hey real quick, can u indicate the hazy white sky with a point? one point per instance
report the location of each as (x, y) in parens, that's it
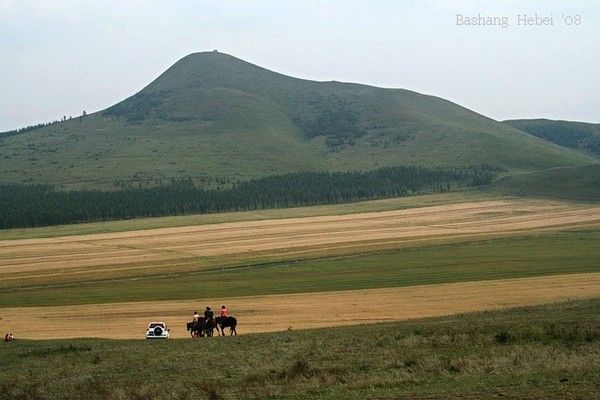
(61, 57)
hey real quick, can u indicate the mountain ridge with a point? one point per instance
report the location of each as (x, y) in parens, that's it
(218, 119)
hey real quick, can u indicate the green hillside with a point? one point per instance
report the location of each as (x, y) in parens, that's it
(218, 119)
(581, 136)
(577, 183)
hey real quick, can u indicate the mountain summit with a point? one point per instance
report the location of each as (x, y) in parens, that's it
(215, 118)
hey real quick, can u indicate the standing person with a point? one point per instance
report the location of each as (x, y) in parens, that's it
(224, 312)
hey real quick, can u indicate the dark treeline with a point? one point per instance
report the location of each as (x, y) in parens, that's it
(573, 138)
(38, 205)
(574, 135)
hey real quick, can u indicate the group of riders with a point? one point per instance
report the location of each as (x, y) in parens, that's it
(205, 325)
(208, 314)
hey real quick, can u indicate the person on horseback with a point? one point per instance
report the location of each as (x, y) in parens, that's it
(224, 312)
(196, 317)
(208, 314)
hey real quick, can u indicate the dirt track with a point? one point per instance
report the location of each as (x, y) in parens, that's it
(111, 254)
(300, 311)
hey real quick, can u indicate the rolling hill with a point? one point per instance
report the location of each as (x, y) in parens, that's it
(576, 183)
(218, 119)
(581, 136)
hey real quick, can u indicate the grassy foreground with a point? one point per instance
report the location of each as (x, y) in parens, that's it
(540, 352)
(547, 254)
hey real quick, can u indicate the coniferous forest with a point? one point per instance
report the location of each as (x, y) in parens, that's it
(39, 205)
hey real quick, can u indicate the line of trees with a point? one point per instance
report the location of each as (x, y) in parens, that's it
(39, 205)
(576, 136)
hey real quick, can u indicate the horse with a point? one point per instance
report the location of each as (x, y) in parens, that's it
(202, 328)
(195, 328)
(227, 322)
(209, 326)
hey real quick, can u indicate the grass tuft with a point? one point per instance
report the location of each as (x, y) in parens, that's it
(502, 337)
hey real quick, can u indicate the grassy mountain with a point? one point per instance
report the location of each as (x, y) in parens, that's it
(216, 118)
(581, 136)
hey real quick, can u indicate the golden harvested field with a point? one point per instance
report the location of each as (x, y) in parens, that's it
(165, 250)
(300, 311)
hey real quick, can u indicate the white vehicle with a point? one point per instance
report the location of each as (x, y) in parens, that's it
(157, 330)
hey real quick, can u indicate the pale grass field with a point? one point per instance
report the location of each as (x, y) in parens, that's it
(178, 249)
(299, 311)
(207, 245)
(396, 203)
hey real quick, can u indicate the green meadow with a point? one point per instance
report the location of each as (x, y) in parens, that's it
(545, 254)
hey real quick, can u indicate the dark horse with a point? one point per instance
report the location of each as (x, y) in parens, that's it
(227, 322)
(195, 328)
(202, 328)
